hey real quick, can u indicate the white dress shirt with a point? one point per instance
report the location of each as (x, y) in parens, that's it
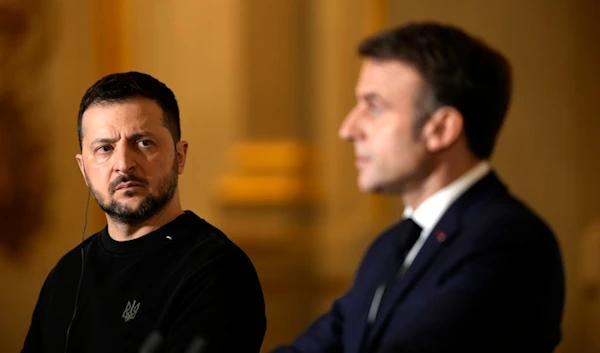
(428, 214)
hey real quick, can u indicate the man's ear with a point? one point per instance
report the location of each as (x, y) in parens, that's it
(442, 129)
(79, 159)
(181, 149)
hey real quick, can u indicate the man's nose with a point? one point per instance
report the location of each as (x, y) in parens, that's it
(350, 129)
(124, 159)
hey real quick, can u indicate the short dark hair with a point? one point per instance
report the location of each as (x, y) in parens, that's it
(120, 87)
(459, 71)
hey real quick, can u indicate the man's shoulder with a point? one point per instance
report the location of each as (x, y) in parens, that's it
(511, 208)
(200, 234)
(510, 220)
(73, 256)
(490, 201)
(206, 242)
(70, 263)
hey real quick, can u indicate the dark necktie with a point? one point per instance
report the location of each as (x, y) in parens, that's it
(408, 233)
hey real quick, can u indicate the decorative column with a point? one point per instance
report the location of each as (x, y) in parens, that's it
(25, 44)
(289, 194)
(266, 199)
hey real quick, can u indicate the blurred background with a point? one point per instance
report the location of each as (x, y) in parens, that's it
(262, 87)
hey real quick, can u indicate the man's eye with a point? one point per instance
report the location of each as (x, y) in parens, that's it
(104, 149)
(144, 143)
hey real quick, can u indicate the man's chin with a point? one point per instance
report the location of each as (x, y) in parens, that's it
(374, 187)
(128, 207)
(366, 186)
(131, 205)
(129, 216)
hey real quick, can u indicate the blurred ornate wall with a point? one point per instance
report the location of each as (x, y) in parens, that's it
(25, 46)
(263, 86)
(46, 61)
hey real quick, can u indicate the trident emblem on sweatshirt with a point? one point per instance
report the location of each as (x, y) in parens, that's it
(130, 311)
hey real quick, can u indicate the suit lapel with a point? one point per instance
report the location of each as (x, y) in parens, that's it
(424, 258)
(358, 329)
(447, 228)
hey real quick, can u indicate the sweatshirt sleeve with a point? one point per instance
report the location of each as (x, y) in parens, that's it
(33, 340)
(221, 303)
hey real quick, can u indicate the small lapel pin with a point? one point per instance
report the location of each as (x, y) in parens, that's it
(440, 236)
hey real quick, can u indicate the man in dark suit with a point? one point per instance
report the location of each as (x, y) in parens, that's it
(469, 268)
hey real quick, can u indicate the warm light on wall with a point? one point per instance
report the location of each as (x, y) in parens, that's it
(266, 173)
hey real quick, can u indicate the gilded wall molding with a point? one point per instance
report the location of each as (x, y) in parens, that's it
(25, 32)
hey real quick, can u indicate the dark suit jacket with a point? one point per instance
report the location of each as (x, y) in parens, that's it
(488, 279)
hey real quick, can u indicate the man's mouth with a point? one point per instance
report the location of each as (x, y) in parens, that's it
(128, 185)
(360, 161)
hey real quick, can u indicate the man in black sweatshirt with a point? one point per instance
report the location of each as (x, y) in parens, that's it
(155, 270)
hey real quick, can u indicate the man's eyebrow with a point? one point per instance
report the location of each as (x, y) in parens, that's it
(102, 140)
(139, 135)
(369, 96)
(133, 137)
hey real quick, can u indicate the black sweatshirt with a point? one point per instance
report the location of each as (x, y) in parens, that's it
(185, 280)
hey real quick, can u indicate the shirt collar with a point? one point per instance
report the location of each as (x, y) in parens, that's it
(433, 208)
